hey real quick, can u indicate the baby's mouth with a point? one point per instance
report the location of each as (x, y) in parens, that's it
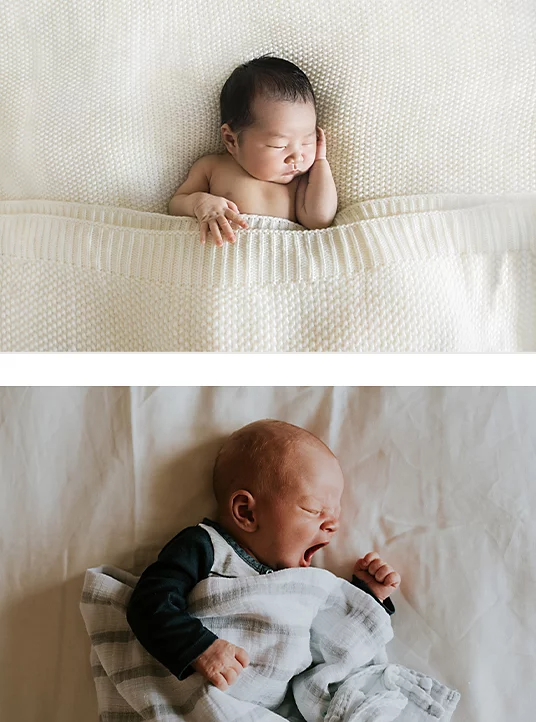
(308, 554)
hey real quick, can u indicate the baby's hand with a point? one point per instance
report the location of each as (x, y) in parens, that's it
(221, 663)
(215, 213)
(320, 144)
(381, 578)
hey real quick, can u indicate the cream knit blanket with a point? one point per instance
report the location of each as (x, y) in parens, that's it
(421, 273)
(105, 107)
(111, 102)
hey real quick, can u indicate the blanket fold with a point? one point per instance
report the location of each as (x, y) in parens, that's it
(420, 273)
(316, 645)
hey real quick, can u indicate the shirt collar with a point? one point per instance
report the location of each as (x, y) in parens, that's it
(242, 553)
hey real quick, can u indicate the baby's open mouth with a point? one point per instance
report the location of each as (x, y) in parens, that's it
(308, 555)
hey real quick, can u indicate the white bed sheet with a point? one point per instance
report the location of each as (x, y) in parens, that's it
(440, 481)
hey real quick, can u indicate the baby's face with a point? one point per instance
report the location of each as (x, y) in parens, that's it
(307, 514)
(282, 139)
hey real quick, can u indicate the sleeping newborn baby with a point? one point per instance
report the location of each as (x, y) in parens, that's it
(275, 160)
(278, 490)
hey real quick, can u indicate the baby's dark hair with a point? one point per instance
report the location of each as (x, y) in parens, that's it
(275, 78)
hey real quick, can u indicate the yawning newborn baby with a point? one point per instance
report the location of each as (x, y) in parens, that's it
(278, 490)
(275, 160)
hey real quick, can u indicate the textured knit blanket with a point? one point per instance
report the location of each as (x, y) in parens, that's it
(106, 107)
(420, 273)
(316, 646)
(111, 102)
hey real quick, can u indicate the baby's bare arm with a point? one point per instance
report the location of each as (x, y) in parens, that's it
(319, 197)
(196, 185)
(182, 204)
(316, 195)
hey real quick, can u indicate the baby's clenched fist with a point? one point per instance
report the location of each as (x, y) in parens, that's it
(221, 663)
(381, 578)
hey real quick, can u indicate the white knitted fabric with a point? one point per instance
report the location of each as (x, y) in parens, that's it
(111, 101)
(423, 273)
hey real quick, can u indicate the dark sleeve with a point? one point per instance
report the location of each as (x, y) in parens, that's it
(387, 603)
(157, 610)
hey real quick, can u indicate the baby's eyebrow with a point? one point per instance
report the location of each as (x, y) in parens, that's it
(277, 135)
(317, 502)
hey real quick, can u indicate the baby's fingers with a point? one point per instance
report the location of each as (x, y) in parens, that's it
(242, 656)
(382, 572)
(239, 221)
(367, 560)
(392, 580)
(227, 230)
(219, 681)
(362, 563)
(204, 229)
(216, 235)
(234, 214)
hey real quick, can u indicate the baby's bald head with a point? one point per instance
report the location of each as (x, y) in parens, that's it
(278, 489)
(263, 458)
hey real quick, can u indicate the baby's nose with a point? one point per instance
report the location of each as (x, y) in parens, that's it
(331, 525)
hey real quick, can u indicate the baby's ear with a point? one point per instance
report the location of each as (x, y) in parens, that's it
(243, 510)
(227, 136)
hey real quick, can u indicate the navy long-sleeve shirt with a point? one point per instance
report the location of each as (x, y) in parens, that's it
(157, 611)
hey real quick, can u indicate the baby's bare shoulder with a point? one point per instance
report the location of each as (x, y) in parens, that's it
(213, 163)
(213, 158)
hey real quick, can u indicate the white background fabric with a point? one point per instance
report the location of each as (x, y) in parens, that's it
(111, 101)
(440, 481)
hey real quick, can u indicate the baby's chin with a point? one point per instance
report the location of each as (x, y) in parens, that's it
(296, 563)
(286, 179)
(283, 178)
(285, 564)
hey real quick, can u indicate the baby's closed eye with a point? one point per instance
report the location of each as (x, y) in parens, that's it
(282, 147)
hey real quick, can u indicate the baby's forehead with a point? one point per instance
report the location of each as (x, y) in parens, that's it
(274, 116)
(284, 130)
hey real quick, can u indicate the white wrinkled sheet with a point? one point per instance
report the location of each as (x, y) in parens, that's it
(439, 481)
